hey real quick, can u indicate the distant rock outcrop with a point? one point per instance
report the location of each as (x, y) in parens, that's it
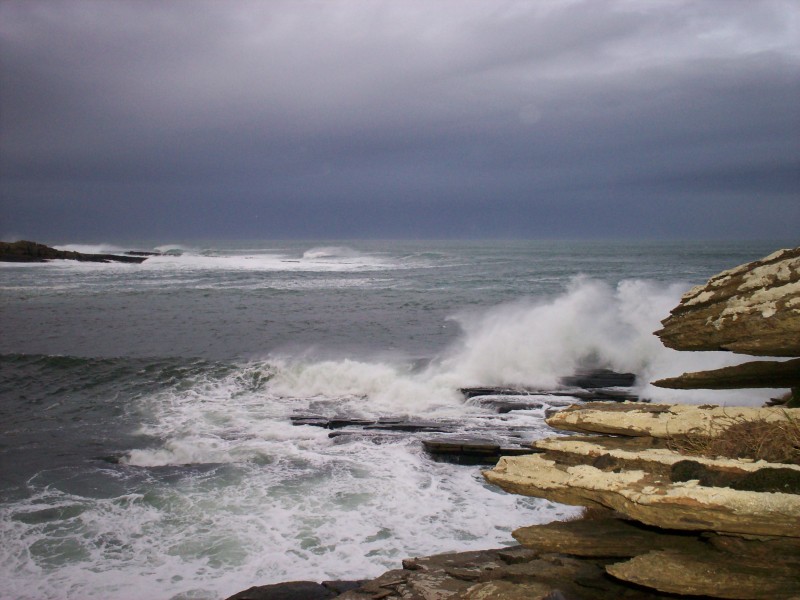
(25, 251)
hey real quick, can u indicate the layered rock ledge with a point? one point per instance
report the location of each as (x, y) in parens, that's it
(692, 525)
(751, 309)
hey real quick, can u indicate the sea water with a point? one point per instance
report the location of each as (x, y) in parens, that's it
(146, 447)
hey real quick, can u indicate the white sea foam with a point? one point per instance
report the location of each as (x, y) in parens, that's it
(257, 500)
(91, 248)
(312, 261)
(173, 249)
(330, 252)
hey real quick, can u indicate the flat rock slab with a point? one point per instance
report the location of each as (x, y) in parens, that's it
(607, 454)
(609, 537)
(292, 590)
(713, 574)
(473, 451)
(660, 420)
(503, 574)
(383, 424)
(751, 309)
(599, 378)
(639, 495)
(755, 374)
(504, 404)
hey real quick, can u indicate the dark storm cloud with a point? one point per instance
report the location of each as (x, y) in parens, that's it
(370, 118)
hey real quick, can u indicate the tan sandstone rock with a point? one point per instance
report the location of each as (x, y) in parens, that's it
(609, 537)
(660, 420)
(712, 573)
(641, 496)
(751, 309)
(603, 453)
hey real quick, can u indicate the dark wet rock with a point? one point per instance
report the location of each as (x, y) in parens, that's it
(503, 405)
(346, 436)
(384, 424)
(755, 374)
(606, 395)
(595, 385)
(411, 426)
(599, 378)
(340, 587)
(293, 590)
(783, 480)
(691, 470)
(607, 537)
(471, 451)
(338, 422)
(312, 420)
(25, 251)
(471, 392)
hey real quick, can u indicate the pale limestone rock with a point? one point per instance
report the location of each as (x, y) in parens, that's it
(660, 420)
(656, 461)
(639, 495)
(751, 309)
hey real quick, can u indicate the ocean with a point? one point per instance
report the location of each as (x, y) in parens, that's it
(146, 442)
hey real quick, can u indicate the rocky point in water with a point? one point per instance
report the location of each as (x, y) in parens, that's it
(25, 251)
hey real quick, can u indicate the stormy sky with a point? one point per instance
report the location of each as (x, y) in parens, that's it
(186, 119)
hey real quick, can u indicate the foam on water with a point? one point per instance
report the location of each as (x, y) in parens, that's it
(216, 490)
(315, 260)
(225, 493)
(330, 252)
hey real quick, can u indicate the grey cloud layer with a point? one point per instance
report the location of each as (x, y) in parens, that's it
(408, 118)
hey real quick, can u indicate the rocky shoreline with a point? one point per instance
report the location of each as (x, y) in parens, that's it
(681, 501)
(25, 251)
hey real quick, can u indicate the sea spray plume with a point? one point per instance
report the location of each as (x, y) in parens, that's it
(367, 388)
(330, 252)
(592, 324)
(534, 343)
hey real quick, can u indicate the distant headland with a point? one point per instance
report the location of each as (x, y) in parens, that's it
(25, 251)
